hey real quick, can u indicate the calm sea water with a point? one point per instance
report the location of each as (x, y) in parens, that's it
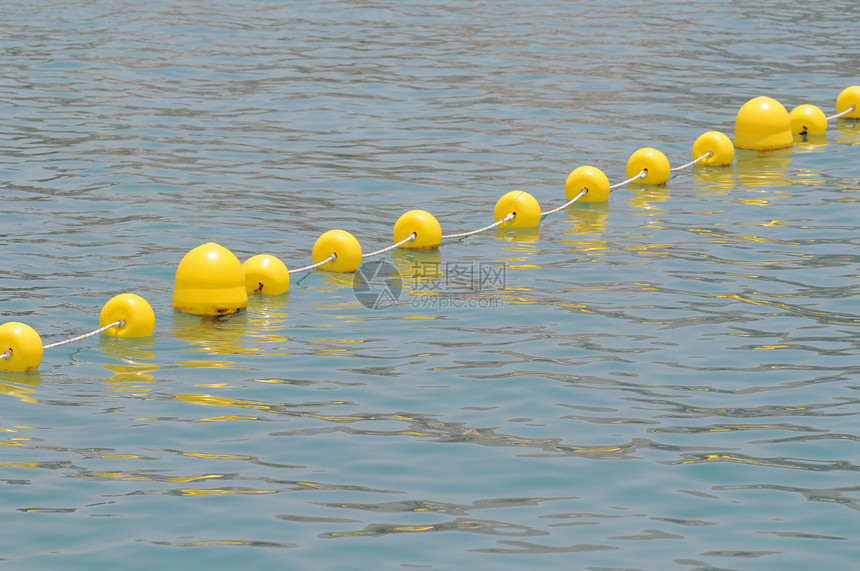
(665, 381)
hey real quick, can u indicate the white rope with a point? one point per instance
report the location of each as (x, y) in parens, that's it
(118, 323)
(694, 161)
(582, 193)
(642, 174)
(507, 218)
(331, 258)
(838, 115)
(7, 354)
(409, 238)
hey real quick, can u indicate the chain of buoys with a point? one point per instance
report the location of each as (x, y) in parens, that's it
(211, 282)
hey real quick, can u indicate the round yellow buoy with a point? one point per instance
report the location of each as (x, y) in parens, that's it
(210, 281)
(428, 232)
(592, 179)
(849, 96)
(721, 148)
(522, 205)
(266, 274)
(762, 124)
(25, 347)
(653, 162)
(343, 245)
(807, 120)
(133, 310)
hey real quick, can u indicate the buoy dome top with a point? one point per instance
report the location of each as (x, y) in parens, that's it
(210, 281)
(210, 265)
(763, 124)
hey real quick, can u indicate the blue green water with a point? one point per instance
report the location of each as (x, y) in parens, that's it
(665, 381)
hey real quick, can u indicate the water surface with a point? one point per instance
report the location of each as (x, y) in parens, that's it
(664, 381)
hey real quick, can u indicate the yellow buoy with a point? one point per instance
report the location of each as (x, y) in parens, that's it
(592, 179)
(849, 96)
(762, 124)
(428, 232)
(266, 275)
(653, 162)
(210, 281)
(137, 314)
(344, 246)
(24, 347)
(807, 120)
(522, 205)
(718, 144)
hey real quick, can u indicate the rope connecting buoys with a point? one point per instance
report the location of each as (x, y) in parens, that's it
(132, 311)
(652, 162)
(807, 120)
(762, 124)
(428, 232)
(21, 346)
(592, 179)
(850, 97)
(718, 144)
(266, 275)
(523, 206)
(125, 315)
(340, 248)
(210, 282)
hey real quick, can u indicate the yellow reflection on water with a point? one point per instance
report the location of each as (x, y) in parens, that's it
(722, 238)
(131, 373)
(587, 221)
(417, 266)
(267, 319)
(127, 352)
(522, 235)
(257, 330)
(210, 400)
(206, 364)
(21, 393)
(516, 296)
(757, 169)
(334, 346)
(715, 180)
(645, 197)
(809, 143)
(192, 492)
(848, 132)
(212, 337)
(587, 218)
(216, 456)
(334, 281)
(193, 478)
